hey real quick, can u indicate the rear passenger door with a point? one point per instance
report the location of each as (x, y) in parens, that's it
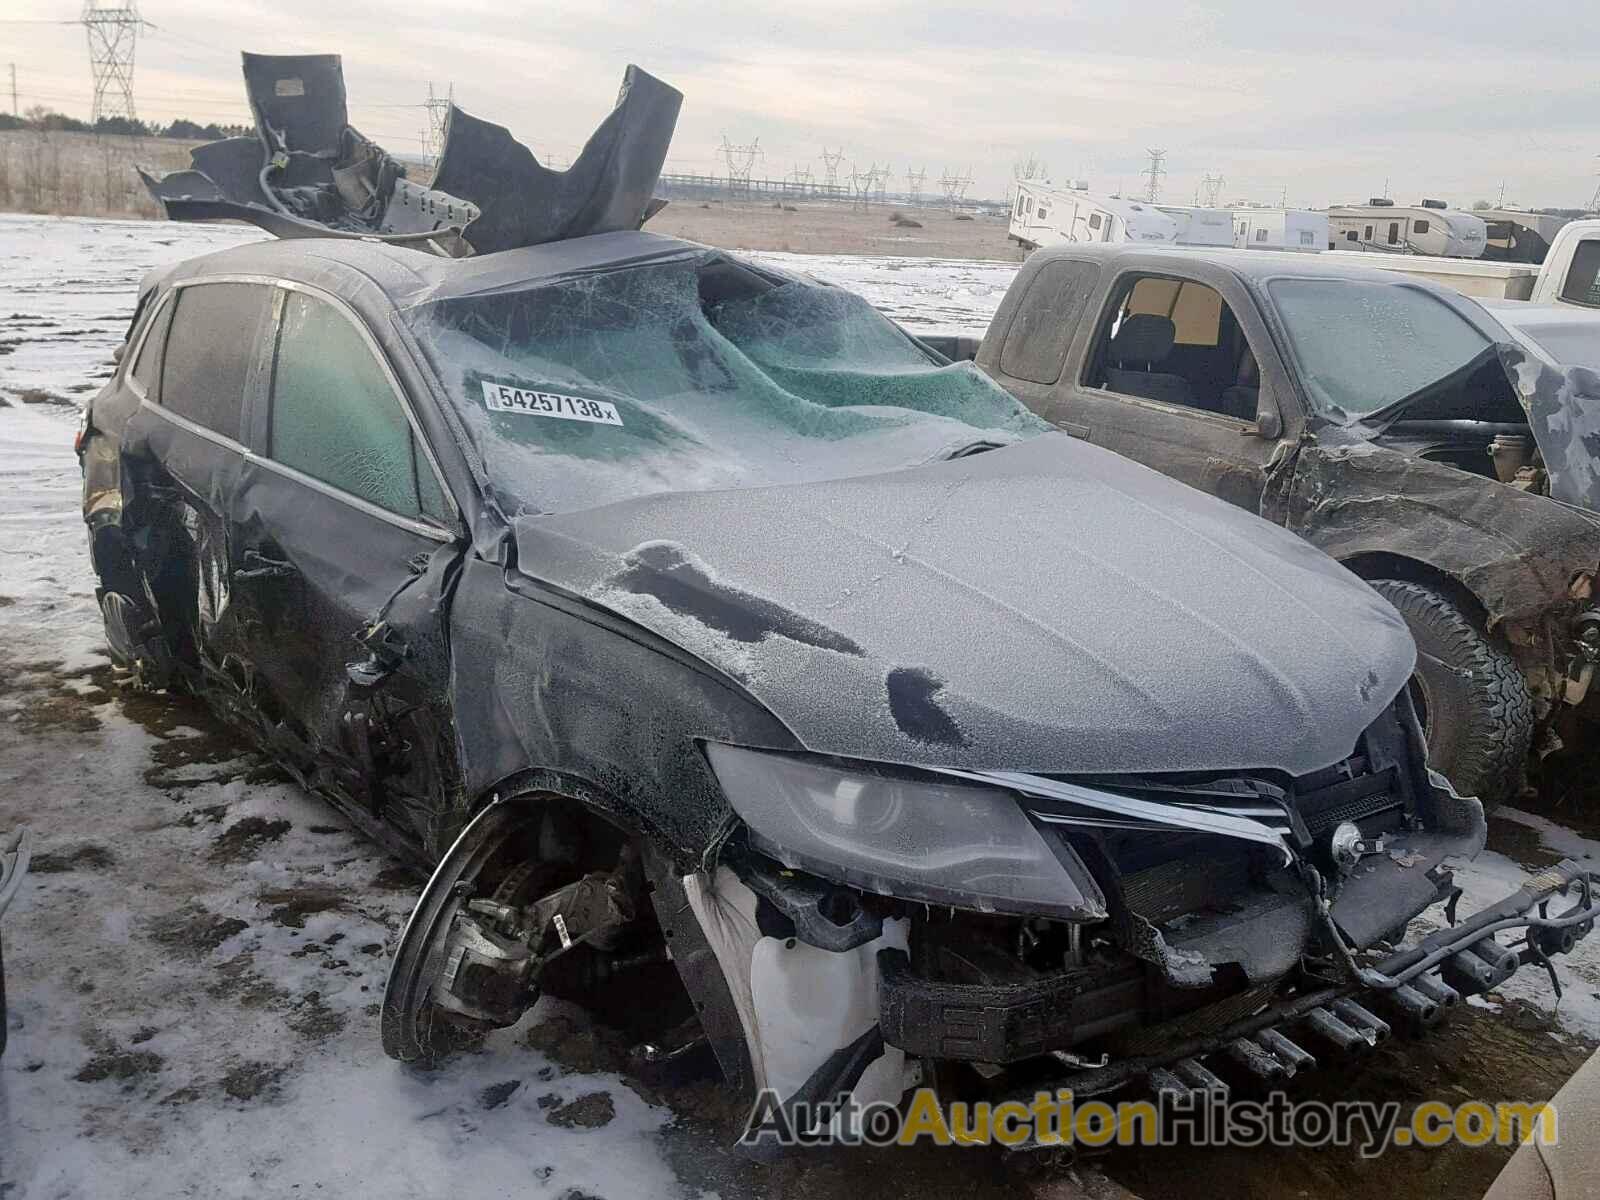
(183, 453)
(345, 542)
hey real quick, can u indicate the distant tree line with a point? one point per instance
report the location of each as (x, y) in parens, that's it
(44, 120)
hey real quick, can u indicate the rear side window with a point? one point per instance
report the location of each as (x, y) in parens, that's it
(147, 371)
(1036, 344)
(336, 417)
(209, 351)
(1582, 284)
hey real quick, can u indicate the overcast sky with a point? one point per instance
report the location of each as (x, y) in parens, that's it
(1324, 103)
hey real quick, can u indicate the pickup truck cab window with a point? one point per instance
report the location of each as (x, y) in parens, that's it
(335, 416)
(1176, 341)
(209, 353)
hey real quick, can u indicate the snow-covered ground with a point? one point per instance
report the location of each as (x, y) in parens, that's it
(195, 964)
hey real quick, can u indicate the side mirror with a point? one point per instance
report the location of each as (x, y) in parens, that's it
(1269, 424)
(116, 355)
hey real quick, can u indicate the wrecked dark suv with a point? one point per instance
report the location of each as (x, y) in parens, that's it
(720, 644)
(1395, 424)
(689, 609)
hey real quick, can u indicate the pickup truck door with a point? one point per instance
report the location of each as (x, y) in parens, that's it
(345, 547)
(1179, 374)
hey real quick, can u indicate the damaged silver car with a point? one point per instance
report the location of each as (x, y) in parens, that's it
(724, 645)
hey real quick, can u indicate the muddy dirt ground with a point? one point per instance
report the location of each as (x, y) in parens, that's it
(815, 227)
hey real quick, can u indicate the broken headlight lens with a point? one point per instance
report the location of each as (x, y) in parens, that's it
(918, 839)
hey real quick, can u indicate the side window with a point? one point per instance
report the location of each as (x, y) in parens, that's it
(147, 370)
(1351, 236)
(1036, 344)
(1094, 220)
(1394, 233)
(1368, 235)
(335, 415)
(1261, 234)
(1420, 227)
(209, 353)
(1582, 284)
(1177, 342)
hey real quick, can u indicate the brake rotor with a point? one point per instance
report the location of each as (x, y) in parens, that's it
(414, 1028)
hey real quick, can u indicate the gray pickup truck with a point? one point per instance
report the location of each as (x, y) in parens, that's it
(1397, 425)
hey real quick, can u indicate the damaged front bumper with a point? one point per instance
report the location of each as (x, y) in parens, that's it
(1411, 989)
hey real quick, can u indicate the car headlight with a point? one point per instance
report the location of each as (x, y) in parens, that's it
(919, 839)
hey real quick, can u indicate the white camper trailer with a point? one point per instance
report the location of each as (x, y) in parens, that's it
(1043, 215)
(1201, 226)
(1432, 227)
(1279, 229)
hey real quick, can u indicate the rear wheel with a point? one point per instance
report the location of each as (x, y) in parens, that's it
(1469, 693)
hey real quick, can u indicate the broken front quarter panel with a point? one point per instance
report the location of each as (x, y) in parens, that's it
(1517, 552)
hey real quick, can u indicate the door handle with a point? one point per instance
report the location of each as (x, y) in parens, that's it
(258, 566)
(1077, 431)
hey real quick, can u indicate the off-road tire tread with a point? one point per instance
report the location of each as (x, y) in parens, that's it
(1494, 751)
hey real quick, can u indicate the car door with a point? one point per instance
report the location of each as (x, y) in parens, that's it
(1180, 374)
(345, 546)
(182, 453)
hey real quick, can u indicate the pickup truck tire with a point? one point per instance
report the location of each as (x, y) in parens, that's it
(1470, 694)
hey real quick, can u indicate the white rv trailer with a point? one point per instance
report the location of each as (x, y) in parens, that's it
(1280, 229)
(1043, 215)
(1201, 226)
(1431, 227)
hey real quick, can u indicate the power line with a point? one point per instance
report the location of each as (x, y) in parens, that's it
(830, 164)
(1153, 173)
(438, 120)
(741, 161)
(955, 187)
(113, 34)
(914, 183)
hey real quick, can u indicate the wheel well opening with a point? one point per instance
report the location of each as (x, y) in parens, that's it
(1378, 565)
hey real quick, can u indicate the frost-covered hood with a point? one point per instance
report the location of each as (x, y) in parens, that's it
(1044, 607)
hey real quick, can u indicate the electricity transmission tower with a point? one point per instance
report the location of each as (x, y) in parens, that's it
(830, 164)
(800, 178)
(1153, 173)
(438, 109)
(955, 187)
(862, 184)
(914, 184)
(1594, 201)
(741, 160)
(880, 177)
(113, 36)
(1213, 188)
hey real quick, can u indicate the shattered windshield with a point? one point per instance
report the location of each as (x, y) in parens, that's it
(1361, 345)
(695, 375)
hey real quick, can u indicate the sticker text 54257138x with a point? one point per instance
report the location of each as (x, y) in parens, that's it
(503, 397)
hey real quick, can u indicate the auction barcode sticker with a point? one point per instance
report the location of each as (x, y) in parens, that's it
(502, 397)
